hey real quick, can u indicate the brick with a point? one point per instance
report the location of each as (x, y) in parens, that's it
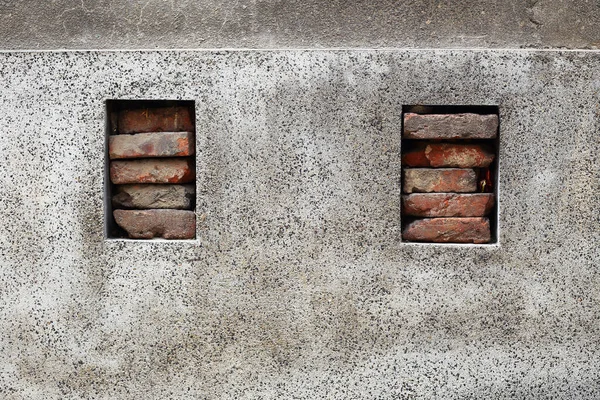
(148, 224)
(447, 204)
(450, 126)
(439, 180)
(163, 119)
(156, 170)
(154, 196)
(448, 230)
(449, 155)
(155, 144)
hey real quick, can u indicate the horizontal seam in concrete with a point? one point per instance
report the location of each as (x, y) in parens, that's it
(308, 49)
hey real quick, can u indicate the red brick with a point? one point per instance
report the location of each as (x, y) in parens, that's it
(439, 180)
(448, 230)
(146, 196)
(450, 126)
(148, 224)
(448, 155)
(447, 204)
(164, 119)
(156, 144)
(156, 170)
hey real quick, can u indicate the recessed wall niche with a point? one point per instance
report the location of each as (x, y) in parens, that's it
(150, 169)
(449, 174)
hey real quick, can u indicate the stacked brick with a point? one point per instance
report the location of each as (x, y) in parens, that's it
(153, 172)
(448, 177)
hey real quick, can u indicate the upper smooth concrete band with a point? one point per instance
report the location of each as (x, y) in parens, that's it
(262, 24)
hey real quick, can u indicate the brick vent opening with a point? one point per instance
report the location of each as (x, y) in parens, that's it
(151, 169)
(449, 174)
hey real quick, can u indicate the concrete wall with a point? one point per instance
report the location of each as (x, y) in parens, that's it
(298, 285)
(134, 24)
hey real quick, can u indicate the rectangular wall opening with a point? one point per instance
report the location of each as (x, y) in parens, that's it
(450, 174)
(150, 169)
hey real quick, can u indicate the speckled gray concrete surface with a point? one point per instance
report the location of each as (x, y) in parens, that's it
(299, 286)
(149, 24)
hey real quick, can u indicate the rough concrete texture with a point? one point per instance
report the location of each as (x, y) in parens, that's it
(85, 24)
(298, 284)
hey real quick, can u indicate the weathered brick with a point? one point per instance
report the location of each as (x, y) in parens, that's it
(155, 144)
(448, 230)
(154, 196)
(148, 224)
(450, 126)
(163, 119)
(447, 204)
(448, 155)
(439, 180)
(154, 170)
